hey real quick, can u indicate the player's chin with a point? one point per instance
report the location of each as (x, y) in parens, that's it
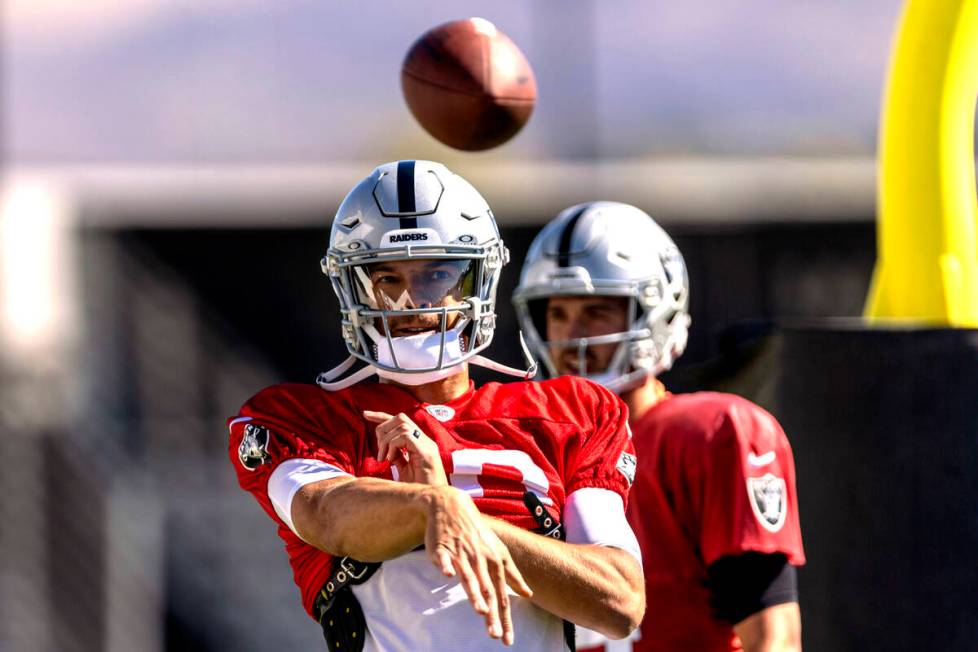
(568, 367)
(567, 370)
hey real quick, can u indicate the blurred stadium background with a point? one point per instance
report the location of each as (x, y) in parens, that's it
(169, 173)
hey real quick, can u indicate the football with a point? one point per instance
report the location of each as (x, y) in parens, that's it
(468, 84)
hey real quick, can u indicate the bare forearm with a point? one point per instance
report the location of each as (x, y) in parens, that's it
(596, 587)
(365, 518)
(775, 629)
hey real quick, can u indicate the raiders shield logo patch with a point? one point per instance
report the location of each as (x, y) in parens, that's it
(626, 466)
(768, 497)
(253, 451)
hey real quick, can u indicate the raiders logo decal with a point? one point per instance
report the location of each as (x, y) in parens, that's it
(626, 466)
(768, 497)
(253, 451)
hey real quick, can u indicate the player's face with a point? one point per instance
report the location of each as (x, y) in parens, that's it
(571, 318)
(409, 284)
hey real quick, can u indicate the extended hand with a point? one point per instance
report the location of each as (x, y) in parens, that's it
(460, 543)
(402, 443)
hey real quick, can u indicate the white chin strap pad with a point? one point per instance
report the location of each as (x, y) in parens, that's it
(420, 352)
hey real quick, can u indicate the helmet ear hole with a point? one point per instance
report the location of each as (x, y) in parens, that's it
(538, 315)
(639, 311)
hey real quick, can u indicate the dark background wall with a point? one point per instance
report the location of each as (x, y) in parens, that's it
(268, 287)
(884, 425)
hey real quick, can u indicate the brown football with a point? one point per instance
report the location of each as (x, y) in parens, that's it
(468, 84)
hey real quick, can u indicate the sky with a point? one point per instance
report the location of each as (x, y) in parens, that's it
(258, 81)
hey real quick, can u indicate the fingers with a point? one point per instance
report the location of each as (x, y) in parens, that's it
(393, 444)
(388, 426)
(376, 417)
(385, 428)
(470, 582)
(484, 582)
(483, 577)
(461, 544)
(503, 571)
(515, 579)
(443, 560)
(400, 433)
(384, 423)
(505, 615)
(487, 583)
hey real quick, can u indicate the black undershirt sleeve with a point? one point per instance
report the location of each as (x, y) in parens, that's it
(742, 585)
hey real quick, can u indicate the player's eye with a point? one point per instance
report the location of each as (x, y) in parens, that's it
(439, 275)
(556, 314)
(600, 313)
(384, 276)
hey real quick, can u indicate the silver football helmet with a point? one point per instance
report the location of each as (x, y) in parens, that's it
(414, 322)
(610, 249)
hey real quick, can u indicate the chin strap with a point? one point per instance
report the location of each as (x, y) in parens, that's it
(619, 384)
(327, 379)
(526, 374)
(337, 371)
(492, 365)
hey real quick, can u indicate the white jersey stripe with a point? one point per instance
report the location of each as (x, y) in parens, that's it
(597, 516)
(292, 475)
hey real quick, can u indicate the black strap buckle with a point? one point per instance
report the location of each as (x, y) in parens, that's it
(548, 525)
(355, 569)
(347, 572)
(337, 609)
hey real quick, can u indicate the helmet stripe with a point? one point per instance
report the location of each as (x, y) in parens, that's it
(405, 193)
(563, 253)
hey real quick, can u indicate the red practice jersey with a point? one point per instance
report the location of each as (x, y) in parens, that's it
(496, 443)
(715, 477)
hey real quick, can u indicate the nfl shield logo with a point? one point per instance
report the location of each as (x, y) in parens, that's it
(768, 497)
(441, 412)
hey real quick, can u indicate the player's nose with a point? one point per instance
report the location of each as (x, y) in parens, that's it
(420, 295)
(576, 328)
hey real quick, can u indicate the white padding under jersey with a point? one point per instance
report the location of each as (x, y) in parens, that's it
(409, 606)
(292, 475)
(597, 516)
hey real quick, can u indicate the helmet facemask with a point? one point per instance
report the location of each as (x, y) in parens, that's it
(632, 360)
(416, 313)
